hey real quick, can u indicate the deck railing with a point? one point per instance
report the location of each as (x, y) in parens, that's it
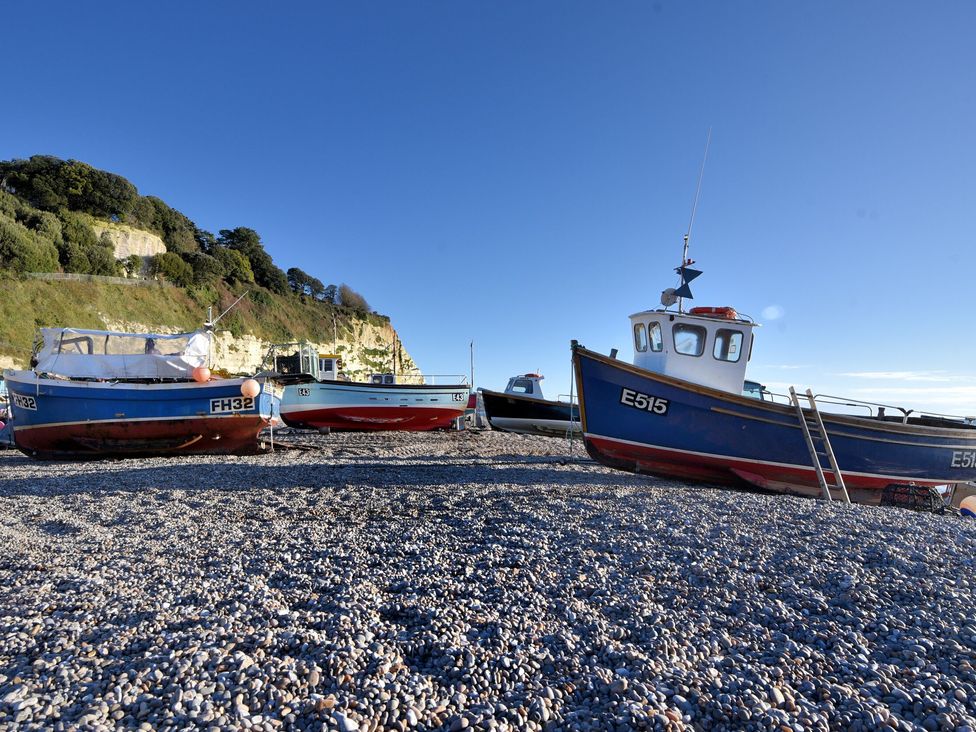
(433, 379)
(874, 409)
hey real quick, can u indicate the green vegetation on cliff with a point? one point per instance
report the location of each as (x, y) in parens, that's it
(50, 211)
(26, 305)
(48, 207)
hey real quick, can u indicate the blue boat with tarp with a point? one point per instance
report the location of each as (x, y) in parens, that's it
(93, 393)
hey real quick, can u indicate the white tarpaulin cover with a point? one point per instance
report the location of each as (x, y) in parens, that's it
(100, 354)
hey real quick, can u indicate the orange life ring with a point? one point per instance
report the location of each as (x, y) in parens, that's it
(728, 313)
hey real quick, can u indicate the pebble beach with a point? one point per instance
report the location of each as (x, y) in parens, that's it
(467, 580)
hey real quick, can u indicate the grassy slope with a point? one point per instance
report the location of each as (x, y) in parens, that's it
(26, 305)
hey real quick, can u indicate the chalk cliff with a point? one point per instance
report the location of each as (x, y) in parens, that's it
(128, 240)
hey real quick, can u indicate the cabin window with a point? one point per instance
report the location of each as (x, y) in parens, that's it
(522, 386)
(689, 339)
(656, 339)
(754, 389)
(728, 345)
(640, 337)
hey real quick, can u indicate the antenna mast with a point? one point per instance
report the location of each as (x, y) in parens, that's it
(694, 209)
(211, 323)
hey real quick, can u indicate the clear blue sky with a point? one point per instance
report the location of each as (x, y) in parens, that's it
(521, 173)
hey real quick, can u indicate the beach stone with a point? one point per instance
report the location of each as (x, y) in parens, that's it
(345, 724)
(455, 581)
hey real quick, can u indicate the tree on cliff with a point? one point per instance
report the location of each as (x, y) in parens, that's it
(330, 294)
(52, 184)
(247, 242)
(236, 267)
(352, 299)
(207, 269)
(302, 283)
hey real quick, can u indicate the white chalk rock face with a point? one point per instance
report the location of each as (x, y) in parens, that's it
(128, 241)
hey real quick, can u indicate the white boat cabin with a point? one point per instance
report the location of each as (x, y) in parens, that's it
(305, 359)
(526, 385)
(329, 365)
(707, 346)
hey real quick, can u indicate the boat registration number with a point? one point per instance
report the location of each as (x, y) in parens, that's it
(644, 402)
(458, 396)
(231, 404)
(25, 402)
(963, 459)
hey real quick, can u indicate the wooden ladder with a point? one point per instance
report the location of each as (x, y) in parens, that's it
(821, 435)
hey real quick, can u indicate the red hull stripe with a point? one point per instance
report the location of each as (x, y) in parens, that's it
(375, 418)
(122, 422)
(707, 466)
(189, 436)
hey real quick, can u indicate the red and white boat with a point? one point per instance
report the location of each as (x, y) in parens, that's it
(322, 401)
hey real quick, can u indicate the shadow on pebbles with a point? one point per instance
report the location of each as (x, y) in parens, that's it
(469, 580)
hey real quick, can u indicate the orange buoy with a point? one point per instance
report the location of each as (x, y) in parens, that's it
(250, 388)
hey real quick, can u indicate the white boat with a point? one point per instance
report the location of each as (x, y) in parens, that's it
(320, 400)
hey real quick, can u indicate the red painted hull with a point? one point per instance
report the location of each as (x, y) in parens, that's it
(724, 470)
(411, 419)
(224, 436)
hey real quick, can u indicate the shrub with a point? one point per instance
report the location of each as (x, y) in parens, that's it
(24, 251)
(207, 270)
(131, 265)
(76, 228)
(73, 258)
(101, 259)
(171, 266)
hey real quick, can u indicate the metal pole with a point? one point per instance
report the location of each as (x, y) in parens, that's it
(472, 364)
(271, 421)
(694, 210)
(572, 385)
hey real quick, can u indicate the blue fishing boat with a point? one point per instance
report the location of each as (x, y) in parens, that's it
(683, 409)
(95, 393)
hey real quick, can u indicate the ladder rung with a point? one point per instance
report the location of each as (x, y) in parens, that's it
(813, 429)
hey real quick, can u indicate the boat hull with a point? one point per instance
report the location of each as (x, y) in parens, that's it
(340, 405)
(524, 415)
(644, 422)
(63, 419)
